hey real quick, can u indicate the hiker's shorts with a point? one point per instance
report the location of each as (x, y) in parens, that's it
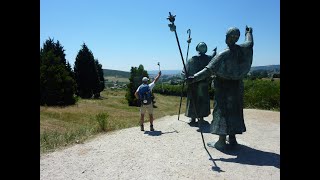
(148, 107)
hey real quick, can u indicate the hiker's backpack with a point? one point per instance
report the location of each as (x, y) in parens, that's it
(145, 94)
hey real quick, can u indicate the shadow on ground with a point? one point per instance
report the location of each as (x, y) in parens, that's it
(251, 156)
(158, 133)
(205, 126)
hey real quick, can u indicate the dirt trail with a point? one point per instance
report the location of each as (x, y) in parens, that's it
(174, 151)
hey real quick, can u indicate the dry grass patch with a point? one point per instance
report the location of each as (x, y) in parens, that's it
(62, 126)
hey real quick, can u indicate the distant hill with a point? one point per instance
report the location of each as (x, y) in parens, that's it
(125, 74)
(275, 68)
(116, 73)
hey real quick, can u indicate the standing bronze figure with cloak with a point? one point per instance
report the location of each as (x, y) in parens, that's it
(229, 67)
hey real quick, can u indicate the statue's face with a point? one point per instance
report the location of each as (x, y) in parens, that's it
(231, 39)
(202, 48)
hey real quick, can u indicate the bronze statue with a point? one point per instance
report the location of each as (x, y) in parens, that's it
(201, 96)
(229, 67)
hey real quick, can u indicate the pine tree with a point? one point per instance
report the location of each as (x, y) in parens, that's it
(58, 51)
(101, 84)
(70, 70)
(131, 87)
(86, 74)
(57, 87)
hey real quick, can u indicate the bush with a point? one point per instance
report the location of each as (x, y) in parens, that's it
(168, 89)
(262, 94)
(102, 120)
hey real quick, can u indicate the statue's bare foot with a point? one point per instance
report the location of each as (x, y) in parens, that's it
(232, 140)
(220, 145)
(193, 123)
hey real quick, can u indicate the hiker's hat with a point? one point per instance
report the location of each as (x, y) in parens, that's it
(145, 79)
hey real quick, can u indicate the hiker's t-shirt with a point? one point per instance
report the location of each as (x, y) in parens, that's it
(151, 85)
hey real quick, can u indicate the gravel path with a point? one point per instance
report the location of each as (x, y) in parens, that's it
(173, 151)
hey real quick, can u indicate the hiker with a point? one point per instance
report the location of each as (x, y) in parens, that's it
(200, 95)
(143, 93)
(230, 66)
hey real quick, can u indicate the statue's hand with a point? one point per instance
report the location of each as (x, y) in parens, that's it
(215, 49)
(248, 29)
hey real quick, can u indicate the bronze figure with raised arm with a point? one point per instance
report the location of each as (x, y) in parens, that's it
(229, 68)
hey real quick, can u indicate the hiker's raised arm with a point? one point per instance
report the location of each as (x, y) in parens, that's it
(158, 76)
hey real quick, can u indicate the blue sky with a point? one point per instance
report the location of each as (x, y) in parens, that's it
(125, 33)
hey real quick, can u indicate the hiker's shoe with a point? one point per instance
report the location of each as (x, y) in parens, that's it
(151, 128)
(141, 128)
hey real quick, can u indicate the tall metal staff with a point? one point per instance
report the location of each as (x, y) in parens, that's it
(189, 41)
(173, 28)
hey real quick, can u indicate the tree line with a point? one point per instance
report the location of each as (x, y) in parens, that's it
(60, 84)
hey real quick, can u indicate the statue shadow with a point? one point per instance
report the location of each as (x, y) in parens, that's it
(205, 127)
(158, 133)
(250, 156)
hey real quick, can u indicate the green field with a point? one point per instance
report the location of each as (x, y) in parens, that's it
(62, 126)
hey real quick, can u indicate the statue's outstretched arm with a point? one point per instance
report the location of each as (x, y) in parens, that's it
(203, 74)
(206, 72)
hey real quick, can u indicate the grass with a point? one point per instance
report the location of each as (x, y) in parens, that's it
(102, 120)
(63, 126)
